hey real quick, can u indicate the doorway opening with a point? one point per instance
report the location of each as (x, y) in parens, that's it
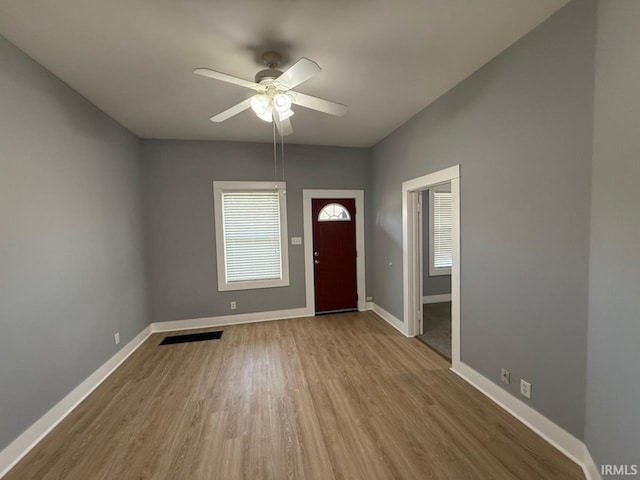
(435, 206)
(334, 250)
(443, 258)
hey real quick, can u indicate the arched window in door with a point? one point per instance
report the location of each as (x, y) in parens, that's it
(334, 212)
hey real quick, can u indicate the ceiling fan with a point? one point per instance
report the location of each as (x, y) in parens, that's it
(274, 97)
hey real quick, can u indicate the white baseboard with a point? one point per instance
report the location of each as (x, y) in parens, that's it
(17, 449)
(590, 468)
(236, 319)
(445, 297)
(571, 446)
(390, 319)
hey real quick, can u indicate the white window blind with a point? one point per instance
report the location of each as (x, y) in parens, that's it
(442, 230)
(252, 236)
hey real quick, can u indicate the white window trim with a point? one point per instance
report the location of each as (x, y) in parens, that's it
(433, 271)
(218, 189)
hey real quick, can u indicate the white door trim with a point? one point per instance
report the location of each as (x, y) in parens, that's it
(307, 196)
(412, 297)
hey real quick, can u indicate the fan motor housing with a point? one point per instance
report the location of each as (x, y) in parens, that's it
(269, 73)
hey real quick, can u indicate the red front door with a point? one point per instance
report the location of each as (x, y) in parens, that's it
(334, 254)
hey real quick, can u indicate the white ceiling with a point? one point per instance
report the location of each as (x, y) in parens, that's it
(385, 59)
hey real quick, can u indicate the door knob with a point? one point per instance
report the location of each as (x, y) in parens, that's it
(316, 262)
(315, 254)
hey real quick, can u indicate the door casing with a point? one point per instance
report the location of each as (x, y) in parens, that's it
(412, 253)
(307, 196)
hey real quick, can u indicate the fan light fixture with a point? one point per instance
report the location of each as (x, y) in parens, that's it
(281, 102)
(259, 104)
(264, 105)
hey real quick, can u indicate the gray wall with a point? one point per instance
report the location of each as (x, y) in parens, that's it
(520, 127)
(439, 284)
(180, 238)
(613, 366)
(71, 264)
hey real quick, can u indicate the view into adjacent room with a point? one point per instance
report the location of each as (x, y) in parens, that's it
(435, 329)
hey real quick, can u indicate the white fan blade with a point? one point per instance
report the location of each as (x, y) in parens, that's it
(319, 104)
(300, 72)
(283, 126)
(207, 72)
(230, 112)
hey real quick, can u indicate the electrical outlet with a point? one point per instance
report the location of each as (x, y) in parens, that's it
(525, 388)
(116, 337)
(233, 305)
(505, 376)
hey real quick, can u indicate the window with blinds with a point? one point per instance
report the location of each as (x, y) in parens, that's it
(441, 232)
(251, 235)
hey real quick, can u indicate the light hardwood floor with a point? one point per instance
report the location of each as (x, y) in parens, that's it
(332, 397)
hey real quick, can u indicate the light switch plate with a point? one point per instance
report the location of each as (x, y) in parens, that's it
(296, 240)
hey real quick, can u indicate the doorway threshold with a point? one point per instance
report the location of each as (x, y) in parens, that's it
(331, 312)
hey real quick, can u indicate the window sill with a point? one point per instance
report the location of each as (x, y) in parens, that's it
(252, 285)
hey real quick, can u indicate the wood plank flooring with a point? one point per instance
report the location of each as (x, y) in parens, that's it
(332, 397)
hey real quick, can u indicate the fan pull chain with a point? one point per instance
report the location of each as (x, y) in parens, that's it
(282, 153)
(275, 154)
